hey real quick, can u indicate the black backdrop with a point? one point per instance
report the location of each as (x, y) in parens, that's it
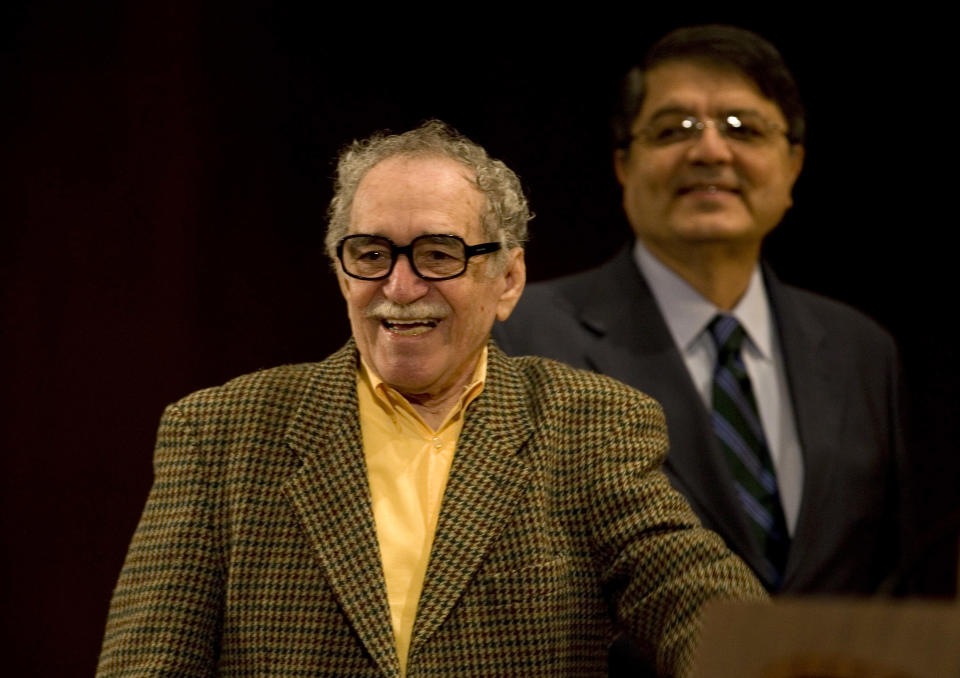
(165, 171)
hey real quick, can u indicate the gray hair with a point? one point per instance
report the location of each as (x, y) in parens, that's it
(505, 215)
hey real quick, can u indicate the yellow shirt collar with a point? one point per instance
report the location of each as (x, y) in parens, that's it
(393, 402)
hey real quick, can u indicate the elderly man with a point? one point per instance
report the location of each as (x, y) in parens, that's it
(417, 504)
(781, 405)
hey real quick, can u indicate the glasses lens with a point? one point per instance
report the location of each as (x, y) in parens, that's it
(366, 256)
(746, 128)
(670, 129)
(439, 256)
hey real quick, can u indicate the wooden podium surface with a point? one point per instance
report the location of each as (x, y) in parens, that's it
(830, 638)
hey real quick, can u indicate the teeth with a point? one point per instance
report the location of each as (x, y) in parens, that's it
(409, 330)
(409, 327)
(709, 188)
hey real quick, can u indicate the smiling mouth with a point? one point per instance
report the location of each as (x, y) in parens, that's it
(707, 188)
(409, 327)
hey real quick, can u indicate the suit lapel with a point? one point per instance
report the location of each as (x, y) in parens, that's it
(633, 344)
(486, 481)
(331, 494)
(817, 395)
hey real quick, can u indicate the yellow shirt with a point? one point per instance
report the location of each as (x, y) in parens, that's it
(407, 467)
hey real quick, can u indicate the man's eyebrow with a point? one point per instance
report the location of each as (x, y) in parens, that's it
(741, 111)
(672, 110)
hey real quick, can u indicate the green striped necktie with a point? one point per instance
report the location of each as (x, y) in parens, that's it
(736, 423)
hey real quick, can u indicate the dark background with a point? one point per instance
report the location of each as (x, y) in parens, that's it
(164, 174)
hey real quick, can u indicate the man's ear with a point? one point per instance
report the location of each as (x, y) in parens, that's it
(515, 277)
(797, 154)
(620, 159)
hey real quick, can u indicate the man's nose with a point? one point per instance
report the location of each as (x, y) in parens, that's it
(404, 286)
(710, 147)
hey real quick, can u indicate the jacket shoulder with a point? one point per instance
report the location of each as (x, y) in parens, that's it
(841, 319)
(272, 386)
(547, 320)
(571, 292)
(548, 380)
(264, 402)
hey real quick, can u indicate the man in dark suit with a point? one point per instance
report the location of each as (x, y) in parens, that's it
(791, 450)
(418, 503)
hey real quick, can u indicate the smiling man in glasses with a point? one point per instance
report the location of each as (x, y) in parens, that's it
(421, 314)
(418, 503)
(781, 405)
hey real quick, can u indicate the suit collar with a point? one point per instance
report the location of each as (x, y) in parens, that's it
(687, 312)
(331, 494)
(610, 303)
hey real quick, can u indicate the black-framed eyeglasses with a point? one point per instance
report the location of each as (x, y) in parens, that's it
(432, 256)
(748, 129)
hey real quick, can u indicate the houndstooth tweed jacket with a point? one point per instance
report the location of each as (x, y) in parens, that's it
(256, 553)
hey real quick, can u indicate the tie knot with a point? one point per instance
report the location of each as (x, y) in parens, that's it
(727, 334)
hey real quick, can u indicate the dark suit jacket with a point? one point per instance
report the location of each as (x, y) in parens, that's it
(257, 555)
(842, 373)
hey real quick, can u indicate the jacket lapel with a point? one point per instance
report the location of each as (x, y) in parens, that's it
(818, 399)
(634, 344)
(486, 481)
(331, 494)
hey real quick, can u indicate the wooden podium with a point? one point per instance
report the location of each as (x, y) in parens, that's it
(830, 638)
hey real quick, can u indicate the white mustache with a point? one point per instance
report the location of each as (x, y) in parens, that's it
(418, 310)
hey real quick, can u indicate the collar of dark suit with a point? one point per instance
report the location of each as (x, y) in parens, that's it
(619, 295)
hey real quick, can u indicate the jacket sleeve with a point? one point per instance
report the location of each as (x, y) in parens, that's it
(165, 613)
(660, 566)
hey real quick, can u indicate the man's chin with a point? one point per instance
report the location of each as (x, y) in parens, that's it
(406, 374)
(706, 224)
(716, 230)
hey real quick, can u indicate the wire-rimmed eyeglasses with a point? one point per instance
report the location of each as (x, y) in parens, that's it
(743, 128)
(432, 256)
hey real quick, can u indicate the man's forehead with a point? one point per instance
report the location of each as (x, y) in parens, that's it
(407, 168)
(429, 186)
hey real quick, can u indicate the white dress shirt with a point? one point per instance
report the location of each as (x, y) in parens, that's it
(688, 314)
